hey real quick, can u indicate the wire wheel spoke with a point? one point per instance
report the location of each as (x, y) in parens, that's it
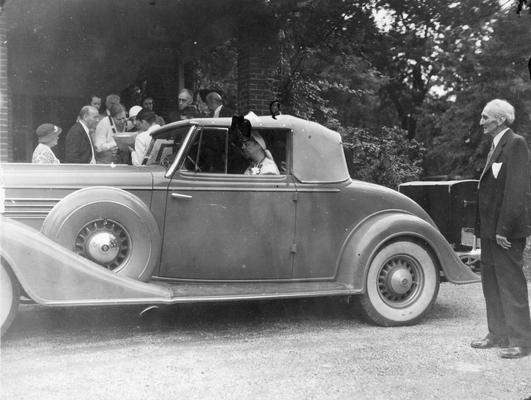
(399, 280)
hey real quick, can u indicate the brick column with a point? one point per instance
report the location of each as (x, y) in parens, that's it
(257, 76)
(6, 153)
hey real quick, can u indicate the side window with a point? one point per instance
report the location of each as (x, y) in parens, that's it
(212, 152)
(208, 152)
(277, 143)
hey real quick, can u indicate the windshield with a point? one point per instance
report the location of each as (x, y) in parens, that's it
(164, 148)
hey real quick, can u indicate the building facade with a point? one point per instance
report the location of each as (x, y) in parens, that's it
(55, 54)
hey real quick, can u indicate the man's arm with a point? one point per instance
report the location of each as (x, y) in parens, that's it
(141, 146)
(516, 187)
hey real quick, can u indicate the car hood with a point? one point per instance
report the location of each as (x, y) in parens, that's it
(74, 176)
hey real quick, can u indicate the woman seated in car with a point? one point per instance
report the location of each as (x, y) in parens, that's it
(262, 162)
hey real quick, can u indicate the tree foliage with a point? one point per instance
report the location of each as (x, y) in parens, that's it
(427, 67)
(497, 70)
(420, 46)
(383, 156)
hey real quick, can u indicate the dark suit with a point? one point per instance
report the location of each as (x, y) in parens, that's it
(502, 210)
(78, 148)
(224, 112)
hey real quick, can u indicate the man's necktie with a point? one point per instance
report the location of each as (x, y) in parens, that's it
(491, 151)
(492, 147)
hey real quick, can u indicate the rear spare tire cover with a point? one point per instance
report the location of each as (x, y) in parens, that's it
(109, 226)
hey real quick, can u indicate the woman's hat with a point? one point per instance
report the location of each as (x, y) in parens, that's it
(259, 139)
(133, 111)
(47, 130)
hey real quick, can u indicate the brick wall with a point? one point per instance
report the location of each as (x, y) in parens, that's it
(257, 77)
(5, 139)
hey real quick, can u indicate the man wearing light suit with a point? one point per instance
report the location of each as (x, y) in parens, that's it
(503, 225)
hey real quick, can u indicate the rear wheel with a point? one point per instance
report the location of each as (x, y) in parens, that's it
(9, 298)
(402, 284)
(109, 226)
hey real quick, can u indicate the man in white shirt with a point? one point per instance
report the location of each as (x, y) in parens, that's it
(146, 123)
(107, 128)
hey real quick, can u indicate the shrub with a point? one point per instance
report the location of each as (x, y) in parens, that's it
(384, 156)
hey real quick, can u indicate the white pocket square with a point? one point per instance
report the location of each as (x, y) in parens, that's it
(496, 169)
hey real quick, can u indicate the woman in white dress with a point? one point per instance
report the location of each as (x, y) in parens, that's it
(48, 134)
(261, 160)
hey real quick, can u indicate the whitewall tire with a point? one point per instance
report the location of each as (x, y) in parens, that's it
(402, 284)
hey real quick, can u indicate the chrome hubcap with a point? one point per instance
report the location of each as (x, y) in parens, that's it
(103, 241)
(399, 280)
(103, 246)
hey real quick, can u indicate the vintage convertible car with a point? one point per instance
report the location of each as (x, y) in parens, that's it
(189, 226)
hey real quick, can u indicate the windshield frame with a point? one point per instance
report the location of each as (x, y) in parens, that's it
(177, 160)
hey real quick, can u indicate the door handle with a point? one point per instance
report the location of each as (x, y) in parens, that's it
(180, 196)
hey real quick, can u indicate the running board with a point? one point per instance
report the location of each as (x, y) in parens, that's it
(184, 292)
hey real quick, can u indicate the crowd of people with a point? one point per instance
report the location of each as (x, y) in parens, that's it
(94, 137)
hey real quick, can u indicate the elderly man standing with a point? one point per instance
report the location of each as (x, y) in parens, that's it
(216, 107)
(78, 143)
(503, 226)
(185, 99)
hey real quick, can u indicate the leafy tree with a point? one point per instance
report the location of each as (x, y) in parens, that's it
(496, 70)
(383, 156)
(320, 73)
(421, 45)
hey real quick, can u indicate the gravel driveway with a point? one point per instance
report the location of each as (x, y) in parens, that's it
(311, 349)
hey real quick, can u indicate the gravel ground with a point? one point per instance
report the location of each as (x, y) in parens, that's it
(303, 349)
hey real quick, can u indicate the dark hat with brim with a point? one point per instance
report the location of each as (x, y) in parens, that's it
(48, 130)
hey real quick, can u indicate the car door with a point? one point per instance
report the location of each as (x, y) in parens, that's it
(223, 225)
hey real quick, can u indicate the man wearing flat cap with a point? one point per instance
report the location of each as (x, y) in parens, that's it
(47, 134)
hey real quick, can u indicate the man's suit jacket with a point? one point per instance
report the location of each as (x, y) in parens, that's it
(78, 148)
(503, 200)
(225, 112)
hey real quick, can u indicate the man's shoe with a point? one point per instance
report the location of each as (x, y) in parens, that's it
(514, 352)
(487, 343)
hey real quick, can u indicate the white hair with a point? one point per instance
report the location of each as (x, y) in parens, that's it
(501, 108)
(214, 96)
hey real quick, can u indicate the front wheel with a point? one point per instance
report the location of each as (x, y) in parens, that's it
(9, 298)
(402, 284)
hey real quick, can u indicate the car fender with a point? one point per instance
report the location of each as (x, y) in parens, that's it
(53, 275)
(368, 236)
